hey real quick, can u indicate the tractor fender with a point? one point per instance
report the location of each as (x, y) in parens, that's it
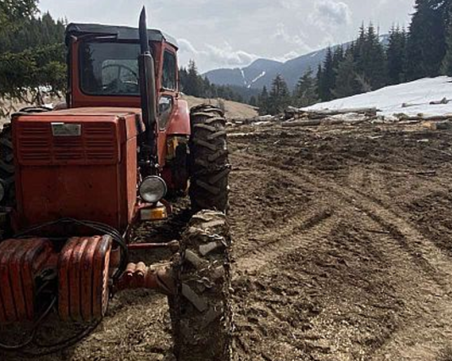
(180, 122)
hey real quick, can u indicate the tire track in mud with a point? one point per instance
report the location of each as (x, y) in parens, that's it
(424, 253)
(428, 308)
(300, 231)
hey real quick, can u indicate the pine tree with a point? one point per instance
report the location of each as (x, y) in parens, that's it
(183, 74)
(347, 83)
(12, 13)
(253, 101)
(32, 54)
(206, 89)
(193, 82)
(327, 77)
(426, 45)
(319, 77)
(263, 102)
(395, 54)
(279, 97)
(338, 56)
(358, 49)
(32, 34)
(305, 93)
(446, 67)
(370, 58)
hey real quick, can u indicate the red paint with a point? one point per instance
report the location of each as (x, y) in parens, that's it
(21, 261)
(180, 123)
(83, 278)
(92, 176)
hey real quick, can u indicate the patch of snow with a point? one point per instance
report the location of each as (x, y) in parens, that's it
(243, 76)
(412, 98)
(314, 54)
(257, 78)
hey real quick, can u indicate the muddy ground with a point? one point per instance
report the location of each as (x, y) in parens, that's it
(343, 246)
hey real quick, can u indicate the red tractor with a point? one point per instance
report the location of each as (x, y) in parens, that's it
(75, 182)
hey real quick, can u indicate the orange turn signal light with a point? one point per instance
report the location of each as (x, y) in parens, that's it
(157, 213)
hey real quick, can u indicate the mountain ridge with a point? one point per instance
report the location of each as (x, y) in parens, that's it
(262, 71)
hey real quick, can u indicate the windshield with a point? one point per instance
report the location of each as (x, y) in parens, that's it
(109, 68)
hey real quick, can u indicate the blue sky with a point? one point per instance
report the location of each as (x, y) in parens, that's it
(233, 33)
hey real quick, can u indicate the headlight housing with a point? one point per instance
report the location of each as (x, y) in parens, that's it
(153, 189)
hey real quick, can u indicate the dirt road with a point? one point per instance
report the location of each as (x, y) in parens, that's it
(343, 245)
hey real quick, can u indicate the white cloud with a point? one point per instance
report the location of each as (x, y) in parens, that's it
(333, 12)
(186, 46)
(219, 56)
(296, 40)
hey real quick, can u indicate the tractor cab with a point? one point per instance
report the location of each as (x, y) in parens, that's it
(104, 69)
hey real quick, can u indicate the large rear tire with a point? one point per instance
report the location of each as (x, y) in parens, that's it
(7, 166)
(208, 162)
(201, 311)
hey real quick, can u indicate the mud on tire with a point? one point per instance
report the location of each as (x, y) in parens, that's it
(7, 166)
(208, 163)
(201, 311)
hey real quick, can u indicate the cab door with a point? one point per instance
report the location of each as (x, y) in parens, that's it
(168, 91)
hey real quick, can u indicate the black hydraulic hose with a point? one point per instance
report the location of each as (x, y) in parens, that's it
(61, 345)
(32, 336)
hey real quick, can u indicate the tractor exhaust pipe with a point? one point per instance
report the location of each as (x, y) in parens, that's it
(148, 146)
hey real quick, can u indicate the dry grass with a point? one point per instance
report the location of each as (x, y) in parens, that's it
(232, 109)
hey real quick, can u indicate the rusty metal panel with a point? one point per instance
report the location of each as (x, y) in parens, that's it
(83, 278)
(84, 192)
(92, 176)
(37, 144)
(21, 261)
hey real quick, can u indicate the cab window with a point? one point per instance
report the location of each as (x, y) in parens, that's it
(166, 104)
(169, 71)
(109, 68)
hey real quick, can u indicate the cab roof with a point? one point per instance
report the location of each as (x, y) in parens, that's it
(119, 32)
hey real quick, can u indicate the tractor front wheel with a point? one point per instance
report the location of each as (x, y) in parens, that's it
(208, 163)
(200, 310)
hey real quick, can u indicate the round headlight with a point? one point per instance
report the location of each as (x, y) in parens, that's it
(153, 189)
(2, 191)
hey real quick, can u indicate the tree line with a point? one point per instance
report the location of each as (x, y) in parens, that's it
(368, 63)
(192, 83)
(32, 53)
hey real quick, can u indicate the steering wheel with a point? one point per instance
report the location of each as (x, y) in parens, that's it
(117, 83)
